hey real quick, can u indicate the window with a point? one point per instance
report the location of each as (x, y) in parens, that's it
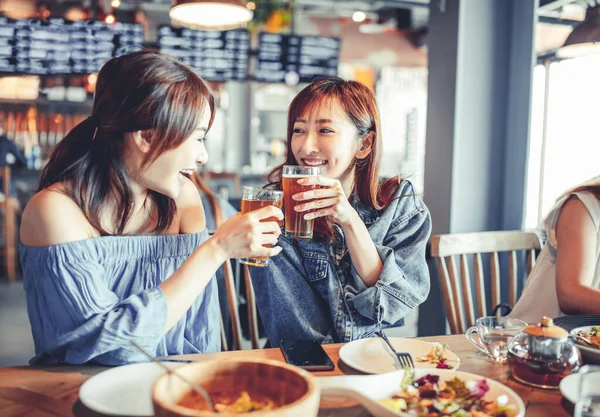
(568, 153)
(402, 100)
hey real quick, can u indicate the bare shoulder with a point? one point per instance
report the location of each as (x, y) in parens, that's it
(51, 218)
(190, 210)
(574, 217)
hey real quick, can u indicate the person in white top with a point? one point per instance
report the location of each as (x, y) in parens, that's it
(566, 277)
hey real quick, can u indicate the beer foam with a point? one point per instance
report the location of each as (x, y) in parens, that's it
(298, 175)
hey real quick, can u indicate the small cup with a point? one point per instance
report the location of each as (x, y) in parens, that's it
(296, 226)
(253, 199)
(494, 334)
(588, 400)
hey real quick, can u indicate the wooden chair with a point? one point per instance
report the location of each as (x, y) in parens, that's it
(233, 302)
(458, 295)
(9, 207)
(230, 285)
(227, 176)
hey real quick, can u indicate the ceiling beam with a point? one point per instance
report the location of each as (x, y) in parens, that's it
(370, 5)
(549, 5)
(401, 3)
(558, 21)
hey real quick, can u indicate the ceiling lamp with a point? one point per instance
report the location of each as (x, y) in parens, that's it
(210, 14)
(585, 38)
(359, 16)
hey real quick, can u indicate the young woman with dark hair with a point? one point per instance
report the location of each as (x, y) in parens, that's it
(365, 270)
(114, 246)
(566, 275)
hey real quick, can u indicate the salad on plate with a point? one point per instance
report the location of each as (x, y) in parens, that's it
(437, 357)
(593, 335)
(428, 397)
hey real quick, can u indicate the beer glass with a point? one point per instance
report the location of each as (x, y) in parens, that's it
(295, 225)
(253, 199)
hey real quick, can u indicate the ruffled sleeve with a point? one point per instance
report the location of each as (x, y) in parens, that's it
(76, 318)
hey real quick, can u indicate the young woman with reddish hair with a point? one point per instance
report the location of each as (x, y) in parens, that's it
(365, 268)
(114, 246)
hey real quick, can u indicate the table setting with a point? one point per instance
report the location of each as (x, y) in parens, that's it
(367, 379)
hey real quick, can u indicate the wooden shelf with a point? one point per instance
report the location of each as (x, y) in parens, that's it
(43, 103)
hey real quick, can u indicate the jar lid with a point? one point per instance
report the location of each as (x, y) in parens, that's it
(546, 328)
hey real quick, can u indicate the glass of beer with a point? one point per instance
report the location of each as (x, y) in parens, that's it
(253, 199)
(295, 225)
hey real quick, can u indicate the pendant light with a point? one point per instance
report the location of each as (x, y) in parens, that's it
(210, 14)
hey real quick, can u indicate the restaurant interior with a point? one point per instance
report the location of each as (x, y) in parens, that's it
(479, 109)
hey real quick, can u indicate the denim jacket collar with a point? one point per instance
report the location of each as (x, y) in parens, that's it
(369, 215)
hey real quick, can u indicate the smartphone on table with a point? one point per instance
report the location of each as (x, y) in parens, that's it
(307, 354)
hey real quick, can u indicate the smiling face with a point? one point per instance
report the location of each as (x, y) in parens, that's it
(167, 173)
(327, 138)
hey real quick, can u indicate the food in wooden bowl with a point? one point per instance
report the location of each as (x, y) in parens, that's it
(237, 387)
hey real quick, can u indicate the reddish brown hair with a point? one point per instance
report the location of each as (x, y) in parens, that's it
(140, 91)
(358, 102)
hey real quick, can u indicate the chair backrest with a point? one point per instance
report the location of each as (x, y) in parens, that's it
(232, 177)
(232, 299)
(231, 289)
(9, 207)
(457, 291)
(251, 305)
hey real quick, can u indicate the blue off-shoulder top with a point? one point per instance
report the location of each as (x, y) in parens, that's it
(88, 299)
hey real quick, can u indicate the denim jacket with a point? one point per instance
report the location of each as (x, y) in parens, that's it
(305, 293)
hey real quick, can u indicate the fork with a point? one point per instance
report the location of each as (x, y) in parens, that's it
(403, 359)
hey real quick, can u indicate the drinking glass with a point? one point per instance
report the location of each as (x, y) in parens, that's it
(588, 401)
(295, 224)
(494, 335)
(253, 199)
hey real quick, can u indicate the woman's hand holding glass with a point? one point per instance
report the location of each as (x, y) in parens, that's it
(244, 236)
(328, 201)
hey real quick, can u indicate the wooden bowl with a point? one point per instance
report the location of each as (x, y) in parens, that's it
(294, 389)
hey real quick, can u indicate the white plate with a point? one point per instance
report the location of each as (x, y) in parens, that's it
(369, 389)
(124, 390)
(372, 356)
(569, 387)
(588, 352)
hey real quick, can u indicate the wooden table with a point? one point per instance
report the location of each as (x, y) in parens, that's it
(53, 391)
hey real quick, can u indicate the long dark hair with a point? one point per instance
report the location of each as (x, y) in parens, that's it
(358, 102)
(139, 91)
